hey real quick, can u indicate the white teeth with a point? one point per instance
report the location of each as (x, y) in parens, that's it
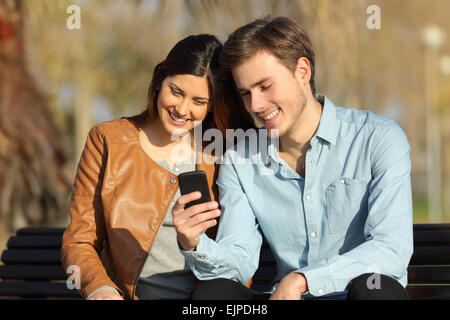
(271, 115)
(177, 119)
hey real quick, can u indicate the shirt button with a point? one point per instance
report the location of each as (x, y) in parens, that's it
(320, 291)
(342, 181)
(308, 197)
(177, 169)
(173, 180)
(313, 234)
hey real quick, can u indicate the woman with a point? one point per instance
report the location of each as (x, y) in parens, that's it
(121, 235)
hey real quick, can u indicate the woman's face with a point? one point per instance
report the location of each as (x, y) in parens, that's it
(183, 99)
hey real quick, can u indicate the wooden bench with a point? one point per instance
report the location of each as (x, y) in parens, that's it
(32, 267)
(428, 271)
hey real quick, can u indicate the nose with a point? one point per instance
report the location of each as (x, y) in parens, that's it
(182, 108)
(255, 103)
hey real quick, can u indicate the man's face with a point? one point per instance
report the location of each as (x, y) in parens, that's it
(271, 92)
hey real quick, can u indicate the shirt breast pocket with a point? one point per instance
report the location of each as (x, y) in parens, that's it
(344, 200)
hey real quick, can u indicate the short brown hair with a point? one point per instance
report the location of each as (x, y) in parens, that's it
(281, 36)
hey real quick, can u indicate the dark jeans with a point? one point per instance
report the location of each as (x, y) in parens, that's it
(368, 286)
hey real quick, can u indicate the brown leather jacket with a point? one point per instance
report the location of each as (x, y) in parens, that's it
(119, 199)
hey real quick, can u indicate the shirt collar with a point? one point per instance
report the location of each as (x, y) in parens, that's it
(327, 128)
(328, 124)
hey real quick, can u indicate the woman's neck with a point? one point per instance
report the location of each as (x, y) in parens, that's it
(161, 146)
(157, 134)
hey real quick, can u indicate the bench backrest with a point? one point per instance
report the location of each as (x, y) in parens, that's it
(428, 271)
(429, 268)
(32, 266)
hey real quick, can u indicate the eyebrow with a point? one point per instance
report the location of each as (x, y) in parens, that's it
(172, 84)
(255, 84)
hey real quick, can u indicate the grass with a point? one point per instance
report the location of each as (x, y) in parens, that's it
(420, 212)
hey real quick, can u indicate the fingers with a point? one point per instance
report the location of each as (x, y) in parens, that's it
(185, 199)
(184, 222)
(178, 208)
(191, 222)
(188, 236)
(204, 216)
(208, 224)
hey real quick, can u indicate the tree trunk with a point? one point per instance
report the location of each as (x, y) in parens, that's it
(35, 172)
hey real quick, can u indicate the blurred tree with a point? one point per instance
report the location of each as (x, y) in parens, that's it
(111, 57)
(114, 53)
(34, 180)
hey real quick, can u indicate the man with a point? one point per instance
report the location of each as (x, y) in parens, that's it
(337, 210)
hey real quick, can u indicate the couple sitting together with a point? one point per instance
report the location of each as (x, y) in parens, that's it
(332, 197)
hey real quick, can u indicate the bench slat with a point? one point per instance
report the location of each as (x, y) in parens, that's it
(35, 241)
(24, 256)
(40, 231)
(429, 292)
(431, 246)
(35, 272)
(429, 274)
(431, 226)
(427, 255)
(45, 289)
(416, 275)
(437, 237)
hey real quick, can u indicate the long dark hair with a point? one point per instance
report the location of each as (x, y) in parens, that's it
(199, 55)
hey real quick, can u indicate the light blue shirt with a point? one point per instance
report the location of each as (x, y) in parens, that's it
(350, 215)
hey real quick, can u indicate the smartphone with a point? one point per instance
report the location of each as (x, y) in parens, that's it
(194, 181)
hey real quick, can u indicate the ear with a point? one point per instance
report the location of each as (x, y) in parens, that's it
(303, 71)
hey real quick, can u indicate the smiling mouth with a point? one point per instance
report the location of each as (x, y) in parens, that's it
(271, 115)
(177, 120)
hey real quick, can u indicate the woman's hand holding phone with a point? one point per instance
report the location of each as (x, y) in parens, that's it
(194, 220)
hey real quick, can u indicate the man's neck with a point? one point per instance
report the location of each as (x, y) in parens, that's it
(296, 142)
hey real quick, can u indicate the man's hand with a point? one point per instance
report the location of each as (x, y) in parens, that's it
(106, 294)
(291, 287)
(191, 222)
